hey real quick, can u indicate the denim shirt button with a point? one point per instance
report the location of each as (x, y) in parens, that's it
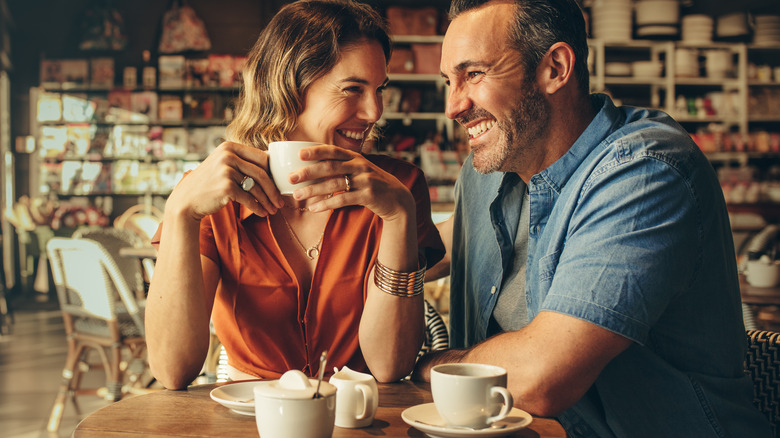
(493, 290)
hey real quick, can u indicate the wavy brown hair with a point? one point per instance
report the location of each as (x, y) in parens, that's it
(302, 43)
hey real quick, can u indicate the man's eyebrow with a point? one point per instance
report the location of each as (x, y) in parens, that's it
(464, 66)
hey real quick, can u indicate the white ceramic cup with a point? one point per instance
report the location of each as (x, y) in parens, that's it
(357, 398)
(283, 413)
(470, 395)
(763, 273)
(283, 159)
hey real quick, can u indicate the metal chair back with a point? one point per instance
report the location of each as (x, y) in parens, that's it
(762, 363)
(113, 240)
(89, 282)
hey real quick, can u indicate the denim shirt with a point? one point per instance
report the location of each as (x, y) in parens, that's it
(628, 231)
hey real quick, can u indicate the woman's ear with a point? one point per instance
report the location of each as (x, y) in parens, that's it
(556, 68)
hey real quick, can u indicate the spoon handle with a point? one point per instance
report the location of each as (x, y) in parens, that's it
(323, 359)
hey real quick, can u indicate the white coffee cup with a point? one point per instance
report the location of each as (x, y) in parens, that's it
(357, 398)
(470, 394)
(283, 411)
(283, 158)
(763, 272)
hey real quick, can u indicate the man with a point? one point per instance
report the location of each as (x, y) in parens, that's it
(591, 252)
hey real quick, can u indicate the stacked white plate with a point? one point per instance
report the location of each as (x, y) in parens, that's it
(767, 30)
(718, 63)
(611, 20)
(686, 62)
(647, 69)
(657, 17)
(697, 29)
(617, 69)
(732, 25)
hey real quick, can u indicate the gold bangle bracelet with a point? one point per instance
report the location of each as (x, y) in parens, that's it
(400, 284)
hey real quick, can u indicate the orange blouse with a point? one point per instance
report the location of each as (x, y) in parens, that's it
(260, 314)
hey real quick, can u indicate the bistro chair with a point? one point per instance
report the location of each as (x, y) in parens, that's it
(141, 219)
(436, 335)
(113, 240)
(762, 363)
(100, 314)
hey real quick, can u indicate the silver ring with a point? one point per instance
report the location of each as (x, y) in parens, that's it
(247, 183)
(348, 182)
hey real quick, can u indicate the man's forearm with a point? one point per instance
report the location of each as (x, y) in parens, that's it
(422, 370)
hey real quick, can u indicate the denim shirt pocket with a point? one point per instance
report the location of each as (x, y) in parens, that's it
(547, 266)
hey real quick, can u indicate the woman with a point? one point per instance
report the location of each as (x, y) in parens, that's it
(287, 277)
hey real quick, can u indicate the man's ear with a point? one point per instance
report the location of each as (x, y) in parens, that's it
(556, 68)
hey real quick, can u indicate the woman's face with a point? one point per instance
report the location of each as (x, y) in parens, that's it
(341, 107)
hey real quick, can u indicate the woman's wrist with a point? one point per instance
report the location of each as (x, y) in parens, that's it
(405, 212)
(177, 210)
(405, 284)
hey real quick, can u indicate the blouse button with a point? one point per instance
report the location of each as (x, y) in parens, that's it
(493, 290)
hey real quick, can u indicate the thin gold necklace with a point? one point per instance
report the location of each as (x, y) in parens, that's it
(303, 209)
(300, 209)
(311, 252)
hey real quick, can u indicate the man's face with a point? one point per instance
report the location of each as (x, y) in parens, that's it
(503, 111)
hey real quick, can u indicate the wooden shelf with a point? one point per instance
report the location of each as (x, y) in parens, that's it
(770, 211)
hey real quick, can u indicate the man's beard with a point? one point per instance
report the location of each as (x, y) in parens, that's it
(527, 122)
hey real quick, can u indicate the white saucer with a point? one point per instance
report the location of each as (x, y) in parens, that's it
(239, 397)
(426, 418)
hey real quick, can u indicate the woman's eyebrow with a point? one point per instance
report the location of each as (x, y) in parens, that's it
(360, 80)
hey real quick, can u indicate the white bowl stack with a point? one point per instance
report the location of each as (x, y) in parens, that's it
(718, 63)
(732, 25)
(697, 29)
(657, 17)
(647, 69)
(611, 20)
(767, 30)
(686, 62)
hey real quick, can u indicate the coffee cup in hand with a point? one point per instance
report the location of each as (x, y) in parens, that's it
(283, 157)
(470, 395)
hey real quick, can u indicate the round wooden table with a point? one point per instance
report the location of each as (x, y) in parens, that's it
(193, 413)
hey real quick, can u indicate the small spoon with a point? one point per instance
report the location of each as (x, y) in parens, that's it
(323, 359)
(452, 426)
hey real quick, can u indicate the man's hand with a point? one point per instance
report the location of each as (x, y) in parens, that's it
(422, 370)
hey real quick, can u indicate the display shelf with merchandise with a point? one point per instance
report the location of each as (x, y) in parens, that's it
(416, 91)
(96, 143)
(763, 75)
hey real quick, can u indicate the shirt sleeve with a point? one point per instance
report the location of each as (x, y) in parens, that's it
(630, 247)
(208, 245)
(428, 238)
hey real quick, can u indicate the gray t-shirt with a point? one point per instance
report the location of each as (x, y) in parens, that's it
(511, 311)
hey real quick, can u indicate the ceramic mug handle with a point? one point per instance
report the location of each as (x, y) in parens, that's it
(507, 406)
(368, 400)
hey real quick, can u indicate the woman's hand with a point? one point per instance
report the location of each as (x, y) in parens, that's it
(369, 185)
(217, 181)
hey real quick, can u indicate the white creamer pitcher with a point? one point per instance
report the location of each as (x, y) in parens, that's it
(356, 399)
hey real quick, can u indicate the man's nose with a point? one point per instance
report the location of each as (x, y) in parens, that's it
(458, 101)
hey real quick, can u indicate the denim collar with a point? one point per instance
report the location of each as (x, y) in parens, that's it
(603, 124)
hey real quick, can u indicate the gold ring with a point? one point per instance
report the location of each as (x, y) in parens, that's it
(348, 182)
(247, 183)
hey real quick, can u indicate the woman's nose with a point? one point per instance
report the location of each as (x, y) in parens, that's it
(371, 108)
